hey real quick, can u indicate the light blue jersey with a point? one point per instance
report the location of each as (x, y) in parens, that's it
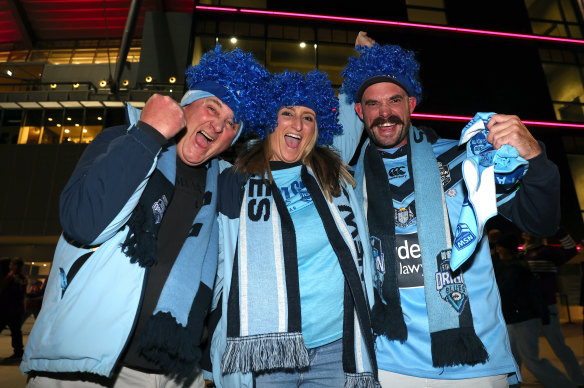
(321, 280)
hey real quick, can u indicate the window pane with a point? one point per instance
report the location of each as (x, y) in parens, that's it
(72, 125)
(568, 9)
(332, 59)
(53, 126)
(427, 16)
(285, 55)
(548, 29)
(426, 3)
(10, 126)
(30, 132)
(543, 9)
(564, 82)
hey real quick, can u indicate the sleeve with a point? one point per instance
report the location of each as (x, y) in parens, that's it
(346, 143)
(535, 207)
(567, 251)
(115, 165)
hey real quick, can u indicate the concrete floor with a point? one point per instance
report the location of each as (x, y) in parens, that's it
(10, 376)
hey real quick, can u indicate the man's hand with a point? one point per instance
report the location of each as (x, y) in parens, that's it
(364, 40)
(507, 129)
(164, 114)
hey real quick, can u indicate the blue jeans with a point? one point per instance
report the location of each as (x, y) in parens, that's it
(325, 370)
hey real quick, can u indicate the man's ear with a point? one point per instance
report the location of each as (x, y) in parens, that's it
(413, 101)
(359, 110)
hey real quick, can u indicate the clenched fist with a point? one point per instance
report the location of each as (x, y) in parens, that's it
(164, 114)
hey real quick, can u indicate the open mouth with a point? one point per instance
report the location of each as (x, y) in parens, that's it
(292, 140)
(207, 137)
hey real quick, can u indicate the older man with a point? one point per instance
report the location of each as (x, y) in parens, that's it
(133, 271)
(437, 325)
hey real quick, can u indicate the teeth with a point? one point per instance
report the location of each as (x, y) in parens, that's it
(386, 125)
(294, 136)
(206, 136)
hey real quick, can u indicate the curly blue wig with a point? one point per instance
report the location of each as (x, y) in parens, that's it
(313, 91)
(388, 63)
(237, 79)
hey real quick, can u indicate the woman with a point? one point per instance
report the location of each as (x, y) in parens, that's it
(293, 286)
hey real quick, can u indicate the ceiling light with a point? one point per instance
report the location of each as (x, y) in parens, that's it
(172, 80)
(302, 44)
(148, 78)
(315, 45)
(53, 86)
(9, 72)
(58, 125)
(234, 40)
(84, 130)
(50, 119)
(125, 82)
(76, 124)
(99, 118)
(75, 85)
(68, 118)
(102, 83)
(66, 131)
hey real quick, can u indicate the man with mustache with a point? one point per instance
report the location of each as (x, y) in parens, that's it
(133, 272)
(435, 325)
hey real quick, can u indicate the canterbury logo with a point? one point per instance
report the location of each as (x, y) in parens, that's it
(396, 172)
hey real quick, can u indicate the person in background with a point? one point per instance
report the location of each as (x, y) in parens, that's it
(133, 272)
(525, 312)
(12, 290)
(294, 279)
(544, 261)
(436, 323)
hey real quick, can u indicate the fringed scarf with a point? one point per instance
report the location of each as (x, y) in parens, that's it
(453, 338)
(264, 316)
(171, 336)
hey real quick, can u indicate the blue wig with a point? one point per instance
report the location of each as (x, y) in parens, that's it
(237, 79)
(313, 91)
(388, 63)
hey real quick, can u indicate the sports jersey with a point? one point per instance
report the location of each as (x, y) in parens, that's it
(321, 302)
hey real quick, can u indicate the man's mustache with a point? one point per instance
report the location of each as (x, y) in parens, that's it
(386, 120)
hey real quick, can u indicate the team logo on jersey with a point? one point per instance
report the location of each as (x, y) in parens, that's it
(404, 217)
(158, 209)
(444, 173)
(463, 236)
(452, 192)
(396, 172)
(451, 288)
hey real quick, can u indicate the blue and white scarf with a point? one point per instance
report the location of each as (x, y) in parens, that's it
(453, 339)
(264, 331)
(483, 168)
(171, 337)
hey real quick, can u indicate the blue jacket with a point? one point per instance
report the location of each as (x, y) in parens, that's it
(86, 321)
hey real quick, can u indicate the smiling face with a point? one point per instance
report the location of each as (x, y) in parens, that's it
(210, 131)
(385, 109)
(295, 134)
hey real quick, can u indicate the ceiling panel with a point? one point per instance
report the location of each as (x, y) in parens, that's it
(74, 19)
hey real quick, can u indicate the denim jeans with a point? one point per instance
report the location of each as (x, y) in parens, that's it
(325, 370)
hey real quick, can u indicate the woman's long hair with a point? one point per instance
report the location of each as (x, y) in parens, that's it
(328, 168)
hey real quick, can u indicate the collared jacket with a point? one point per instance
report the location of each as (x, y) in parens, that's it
(91, 306)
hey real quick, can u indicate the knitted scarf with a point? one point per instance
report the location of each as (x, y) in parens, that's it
(171, 336)
(453, 338)
(264, 331)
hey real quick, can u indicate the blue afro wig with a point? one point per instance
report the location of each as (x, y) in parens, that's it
(388, 63)
(237, 79)
(313, 91)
